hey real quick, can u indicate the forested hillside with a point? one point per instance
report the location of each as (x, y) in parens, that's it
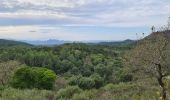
(69, 59)
(84, 50)
(8, 43)
(119, 43)
(150, 59)
(77, 71)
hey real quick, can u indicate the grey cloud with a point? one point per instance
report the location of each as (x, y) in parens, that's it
(87, 11)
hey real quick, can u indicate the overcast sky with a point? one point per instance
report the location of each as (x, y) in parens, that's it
(80, 19)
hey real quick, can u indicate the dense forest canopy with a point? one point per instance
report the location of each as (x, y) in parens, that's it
(68, 59)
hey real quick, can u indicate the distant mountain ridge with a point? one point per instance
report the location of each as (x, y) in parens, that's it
(118, 43)
(50, 42)
(7, 43)
(53, 42)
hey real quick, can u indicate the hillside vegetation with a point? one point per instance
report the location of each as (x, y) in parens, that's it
(9, 43)
(77, 71)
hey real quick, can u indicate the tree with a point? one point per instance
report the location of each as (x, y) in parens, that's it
(82, 82)
(97, 58)
(151, 57)
(99, 81)
(166, 27)
(104, 71)
(40, 78)
(45, 78)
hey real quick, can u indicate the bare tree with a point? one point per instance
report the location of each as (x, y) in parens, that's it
(152, 57)
(168, 26)
(7, 70)
(165, 27)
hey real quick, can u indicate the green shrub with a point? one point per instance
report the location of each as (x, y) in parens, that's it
(74, 80)
(82, 82)
(86, 83)
(26, 94)
(104, 71)
(40, 78)
(85, 95)
(109, 87)
(45, 78)
(68, 92)
(99, 81)
(121, 87)
(126, 78)
(80, 97)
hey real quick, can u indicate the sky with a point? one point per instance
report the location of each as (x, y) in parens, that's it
(81, 20)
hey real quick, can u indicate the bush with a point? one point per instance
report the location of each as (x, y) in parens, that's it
(108, 87)
(61, 82)
(26, 94)
(126, 78)
(68, 92)
(86, 83)
(103, 70)
(120, 88)
(74, 80)
(82, 82)
(85, 95)
(80, 97)
(99, 81)
(40, 78)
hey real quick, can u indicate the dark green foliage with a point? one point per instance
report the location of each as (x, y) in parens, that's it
(126, 78)
(99, 81)
(97, 58)
(74, 80)
(8, 43)
(118, 44)
(104, 71)
(71, 60)
(40, 78)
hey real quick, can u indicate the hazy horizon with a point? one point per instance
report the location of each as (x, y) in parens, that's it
(50, 39)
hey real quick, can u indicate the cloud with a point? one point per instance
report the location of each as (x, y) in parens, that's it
(39, 33)
(71, 33)
(80, 19)
(87, 12)
(32, 32)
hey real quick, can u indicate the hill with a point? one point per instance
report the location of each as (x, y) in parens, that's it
(53, 42)
(50, 42)
(150, 59)
(155, 37)
(118, 43)
(7, 43)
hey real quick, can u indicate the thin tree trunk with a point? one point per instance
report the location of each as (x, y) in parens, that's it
(161, 83)
(164, 94)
